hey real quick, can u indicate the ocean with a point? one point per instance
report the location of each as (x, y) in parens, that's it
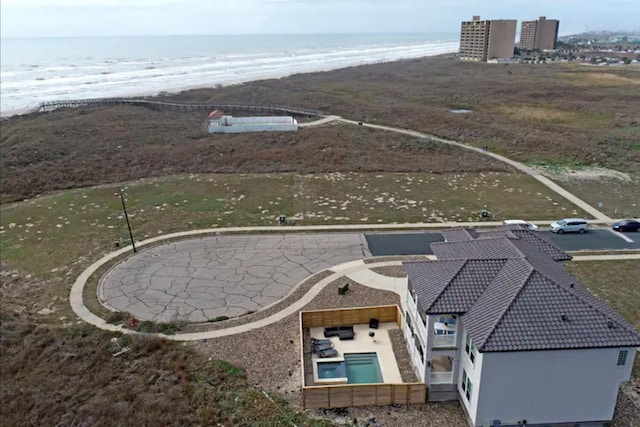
(34, 70)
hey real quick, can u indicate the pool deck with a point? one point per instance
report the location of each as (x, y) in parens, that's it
(362, 343)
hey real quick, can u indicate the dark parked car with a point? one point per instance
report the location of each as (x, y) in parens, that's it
(626, 225)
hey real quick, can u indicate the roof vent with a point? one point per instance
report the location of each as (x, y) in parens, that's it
(564, 318)
(610, 324)
(572, 285)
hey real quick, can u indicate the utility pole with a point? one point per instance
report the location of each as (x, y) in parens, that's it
(124, 208)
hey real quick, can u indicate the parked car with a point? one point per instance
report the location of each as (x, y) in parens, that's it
(521, 222)
(570, 225)
(626, 225)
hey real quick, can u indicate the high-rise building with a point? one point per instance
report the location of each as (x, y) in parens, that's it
(488, 39)
(541, 34)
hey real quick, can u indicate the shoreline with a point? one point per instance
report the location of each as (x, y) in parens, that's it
(6, 114)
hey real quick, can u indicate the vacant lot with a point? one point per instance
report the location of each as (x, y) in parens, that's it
(619, 198)
(87, 222)
(559, 113)
(617, 283)
(564, 113)
(55, 376)
(69, 149)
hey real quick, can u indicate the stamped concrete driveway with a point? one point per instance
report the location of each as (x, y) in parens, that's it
(200, 279)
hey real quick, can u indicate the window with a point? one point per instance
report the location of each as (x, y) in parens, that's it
(470, 349)
(467, 385)
(622, 357)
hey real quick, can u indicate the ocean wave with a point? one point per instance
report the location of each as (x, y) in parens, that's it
(120, 76)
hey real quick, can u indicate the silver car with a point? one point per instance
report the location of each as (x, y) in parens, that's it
(570, 225)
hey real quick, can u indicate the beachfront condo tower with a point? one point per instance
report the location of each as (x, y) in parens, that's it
(488, 39)
(541, 34)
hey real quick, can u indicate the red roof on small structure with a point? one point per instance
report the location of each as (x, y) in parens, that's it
(216, 114)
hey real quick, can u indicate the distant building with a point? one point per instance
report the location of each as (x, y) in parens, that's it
(539, 35)
(221, 123)
(488, 39)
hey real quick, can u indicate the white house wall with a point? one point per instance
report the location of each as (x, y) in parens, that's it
(476, 373)
(549, 386)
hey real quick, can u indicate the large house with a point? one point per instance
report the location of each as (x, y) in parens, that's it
(498, 323)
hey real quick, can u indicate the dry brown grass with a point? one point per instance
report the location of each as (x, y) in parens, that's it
(68, 149)
(68, 376)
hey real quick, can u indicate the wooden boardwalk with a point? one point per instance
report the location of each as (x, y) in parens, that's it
(178, 106)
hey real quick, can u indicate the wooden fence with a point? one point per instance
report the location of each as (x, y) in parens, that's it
(348, 395)
(186, 106)
(350, 316)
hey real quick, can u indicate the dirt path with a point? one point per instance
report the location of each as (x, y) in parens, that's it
(521, 167)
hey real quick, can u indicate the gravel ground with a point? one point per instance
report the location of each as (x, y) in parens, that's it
(271, 357)
(627, 413)
(435, 414)
(402, 356)
(279, 306)
(373, 260)
(391, 271)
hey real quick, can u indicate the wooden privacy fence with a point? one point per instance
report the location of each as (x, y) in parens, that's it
(186, 106)
(344, 396)
(348, 395)
(350, 316)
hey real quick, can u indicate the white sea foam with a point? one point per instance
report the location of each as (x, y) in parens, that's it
(32, 81)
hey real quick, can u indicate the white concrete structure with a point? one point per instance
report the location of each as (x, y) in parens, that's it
(499, 325)
(230, 124)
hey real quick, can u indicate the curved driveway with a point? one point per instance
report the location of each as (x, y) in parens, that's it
(201, 279)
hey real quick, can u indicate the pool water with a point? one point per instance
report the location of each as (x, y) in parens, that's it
(359, 368)
(328, 370)
(363, 368)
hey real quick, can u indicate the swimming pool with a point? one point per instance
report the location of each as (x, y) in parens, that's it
(358, 368)
(330, 370)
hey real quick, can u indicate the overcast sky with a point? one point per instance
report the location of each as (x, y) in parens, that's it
(31, 18)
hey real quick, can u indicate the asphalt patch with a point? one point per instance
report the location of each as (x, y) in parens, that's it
(387, 244)
(594, 240)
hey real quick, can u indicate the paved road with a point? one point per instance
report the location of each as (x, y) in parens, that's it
(201, 279)
(383, 244)
(595, 240)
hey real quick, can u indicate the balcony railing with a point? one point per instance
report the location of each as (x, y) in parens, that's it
(421, 331)
(441, 378)
(416, 359)
(444, 340)
(411, 306)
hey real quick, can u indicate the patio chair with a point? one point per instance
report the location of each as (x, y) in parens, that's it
(331, 332)
(374, 323)
(346, 334)
(327, 353)
(321, 347)
(318, 341)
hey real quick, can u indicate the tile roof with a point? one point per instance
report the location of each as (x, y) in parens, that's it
(465, 287)
(500, 248)
(513, 296)
(459, 234)
(540, 242)
(427, 280)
